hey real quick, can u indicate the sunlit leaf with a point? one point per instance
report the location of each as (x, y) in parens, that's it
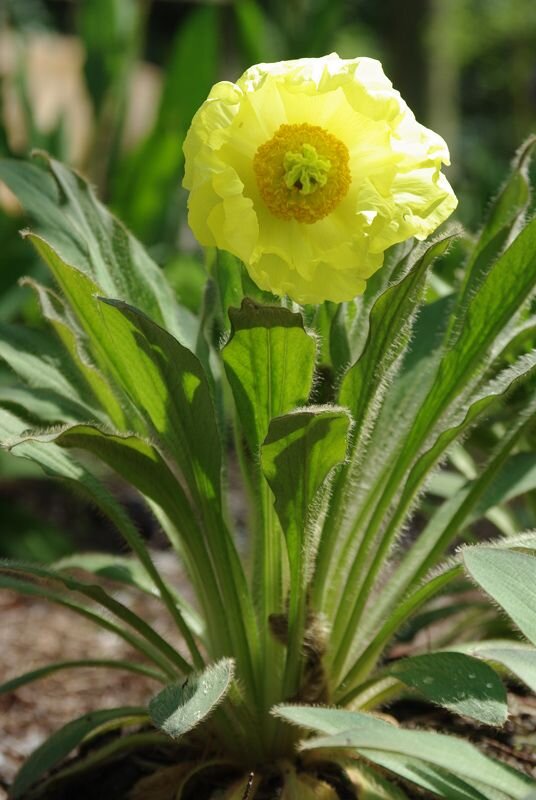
(269, 361)
(455, 681)
(179, 708)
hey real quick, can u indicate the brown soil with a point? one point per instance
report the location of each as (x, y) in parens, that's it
(34, 633)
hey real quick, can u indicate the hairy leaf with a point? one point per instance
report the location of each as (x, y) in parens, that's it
(177, 709)
(432, 757)
(519, 660)
(504, 217)
(39, 361)
(455, 681)
(161, 378)
(65, 326)
(269, 361)
(54, 461)
(510, 579)
(68, 216)
(298, 454)
(391, 319)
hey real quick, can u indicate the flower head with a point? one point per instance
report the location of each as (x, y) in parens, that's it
(309, 170)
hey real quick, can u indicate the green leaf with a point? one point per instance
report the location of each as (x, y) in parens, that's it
(298, 454)
(102, 663)
(73, 222)
(166, 384)
(54, 461)
(11, 425)
(143, 646)
(160, 377)
(455, 681)
(297, 457)
(269, 361)
(227, 273)
(54, 310)
(500, 479)
(46, 576)
(178, 709)
(432, 760)
(375, 787)
(142, 465)
(519, 660)
(63, 741)
(39, 406)
(40, 362)
(129, 571)
(510, 579)
(391, 320)
(379, 537)
(440, 782)
(504, 218)
(137, 461)
(506, 288)
(517, 477)
(414, 380)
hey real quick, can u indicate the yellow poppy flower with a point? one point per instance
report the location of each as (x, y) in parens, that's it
(309, 170)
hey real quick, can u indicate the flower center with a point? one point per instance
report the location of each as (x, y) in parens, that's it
(306, 171)
(302, 172)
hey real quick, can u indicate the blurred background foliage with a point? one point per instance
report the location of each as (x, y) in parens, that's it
(110, 86)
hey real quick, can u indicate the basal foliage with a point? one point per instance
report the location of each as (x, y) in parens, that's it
(339, 417)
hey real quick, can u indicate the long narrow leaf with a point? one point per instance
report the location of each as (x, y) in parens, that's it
(63, 741)
(58, 666)
(99, 595)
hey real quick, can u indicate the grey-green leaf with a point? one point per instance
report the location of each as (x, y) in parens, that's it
(179, 708)
(455, 681)
(510, 579)
(520, 661)
(434, 757)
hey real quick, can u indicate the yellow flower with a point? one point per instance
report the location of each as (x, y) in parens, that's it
(309, 170)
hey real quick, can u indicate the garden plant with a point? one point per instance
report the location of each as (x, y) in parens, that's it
(349, 386)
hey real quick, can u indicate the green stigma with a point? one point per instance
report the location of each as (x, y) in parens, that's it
(306, 171)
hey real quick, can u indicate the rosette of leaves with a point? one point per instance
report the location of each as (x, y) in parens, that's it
(339, 418)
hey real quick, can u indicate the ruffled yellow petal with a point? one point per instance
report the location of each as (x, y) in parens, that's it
(266, 182)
